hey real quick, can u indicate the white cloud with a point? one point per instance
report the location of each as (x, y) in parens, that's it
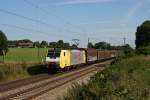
(71, 2)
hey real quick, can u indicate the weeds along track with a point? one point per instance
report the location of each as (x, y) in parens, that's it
(30, 88)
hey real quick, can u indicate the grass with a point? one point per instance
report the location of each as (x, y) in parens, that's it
(128, 79)
(25, 55)
(12, 71)
(9, 72)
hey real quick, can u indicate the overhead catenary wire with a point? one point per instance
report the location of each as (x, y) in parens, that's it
(25, 29)
(58, 17)
(28, 31)
(24, 17)
(32, 19)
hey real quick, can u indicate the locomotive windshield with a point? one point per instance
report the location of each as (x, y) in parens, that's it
(53, 53)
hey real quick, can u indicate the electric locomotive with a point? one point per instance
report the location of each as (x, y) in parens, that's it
(61, 59)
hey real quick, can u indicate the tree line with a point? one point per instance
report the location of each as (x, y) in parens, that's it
(104, 45)
(38, 44)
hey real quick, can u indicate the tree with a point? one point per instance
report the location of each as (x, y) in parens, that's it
(143, 50)
(52, 44)
(60, 44)
(127, 50)
(36, 44)
(90, 45)
(12, 42)
(66, 45)
(102, 45)
(44, 44)
(3, 44)
(143, 35)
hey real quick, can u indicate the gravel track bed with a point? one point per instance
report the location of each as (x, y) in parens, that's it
(51, 85)
(21, 82)
(58, 92)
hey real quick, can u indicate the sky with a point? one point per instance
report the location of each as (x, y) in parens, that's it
(52, 20)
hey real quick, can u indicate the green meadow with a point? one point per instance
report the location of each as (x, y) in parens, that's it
(26, 55)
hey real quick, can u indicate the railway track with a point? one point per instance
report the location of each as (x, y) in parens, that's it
(30, 88)
(21, 82)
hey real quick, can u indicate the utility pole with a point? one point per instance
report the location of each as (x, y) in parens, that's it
(88, 42)
(38, 53)
(76, 41)
(124, 40)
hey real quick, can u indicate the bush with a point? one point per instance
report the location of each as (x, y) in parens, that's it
(127, 79)
(128, 51)
(143, 50)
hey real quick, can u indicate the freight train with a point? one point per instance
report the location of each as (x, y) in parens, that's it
(72, 58)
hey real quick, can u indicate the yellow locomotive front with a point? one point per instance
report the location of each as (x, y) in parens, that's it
(57, 58)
